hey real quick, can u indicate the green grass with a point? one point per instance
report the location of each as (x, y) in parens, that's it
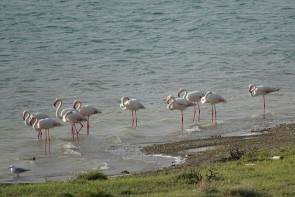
(254, 174)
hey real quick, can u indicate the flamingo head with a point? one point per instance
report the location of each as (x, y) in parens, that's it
(251, 88)
(56, 101)
(75, 104)
(169, 99)
(180, 91)
(25, 114)
(124, 98)
(33, 120)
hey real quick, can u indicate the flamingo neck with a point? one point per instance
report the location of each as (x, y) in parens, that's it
(183, 91)
(58, 112)
(77, 105)
(36, 126)
(26, 118)
(123, 102)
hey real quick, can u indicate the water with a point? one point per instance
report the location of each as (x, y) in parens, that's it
(97, 52)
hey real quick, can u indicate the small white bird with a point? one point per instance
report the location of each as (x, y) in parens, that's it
(85, 110)
(16, 170)
(213, 99)
(45, 124)
(261, 90)
(133, 105)
(178, 103)
(194, 97)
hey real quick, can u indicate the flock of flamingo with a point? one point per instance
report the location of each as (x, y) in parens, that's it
(80, 113)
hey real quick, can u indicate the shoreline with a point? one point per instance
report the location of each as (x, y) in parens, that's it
(221, 149)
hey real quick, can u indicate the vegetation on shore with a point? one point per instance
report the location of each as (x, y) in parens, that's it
(244, 171)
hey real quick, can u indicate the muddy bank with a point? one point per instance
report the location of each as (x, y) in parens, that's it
(218, 148)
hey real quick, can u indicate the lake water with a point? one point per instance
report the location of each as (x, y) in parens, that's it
(99, 51)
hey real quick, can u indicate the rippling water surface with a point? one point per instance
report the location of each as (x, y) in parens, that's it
(97, 52)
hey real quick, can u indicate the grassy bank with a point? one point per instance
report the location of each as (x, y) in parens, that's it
(254, 174)
(241, 172)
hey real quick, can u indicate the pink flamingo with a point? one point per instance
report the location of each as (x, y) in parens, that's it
(27, 116)
(193, 97)
(133, 105)
(60, 113)
(261, 90)
(46, 124)
(74, 117)
(85, 110)
(179, 103)
(213, 99)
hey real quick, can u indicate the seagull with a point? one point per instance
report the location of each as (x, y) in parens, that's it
(261, 90)
(16, 170)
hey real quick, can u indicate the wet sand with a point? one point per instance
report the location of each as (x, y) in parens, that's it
(220, 149)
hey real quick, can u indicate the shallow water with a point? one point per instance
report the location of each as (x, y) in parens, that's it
(97, 52)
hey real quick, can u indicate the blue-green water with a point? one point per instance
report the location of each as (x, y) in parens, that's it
(99, 51)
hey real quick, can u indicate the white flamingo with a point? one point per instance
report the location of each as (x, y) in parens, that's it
(194, 97)
(261, 90)
(46, 124)
(213, 99)
(178, 103)
(85, 110)
(59, 113)
(74, 117)
(27, 116)
(133, 105)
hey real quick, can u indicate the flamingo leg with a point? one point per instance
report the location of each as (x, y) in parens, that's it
(80, 127)
(48, 141)
(39, 134)
(132, 118)
(182, 119)
(212, 113)
(199, 112)
(88, 125)
(72, 132)
(215, 114)
(195, 110)
(78, 131)
(45, 141)
(135, 119)
(263, 107)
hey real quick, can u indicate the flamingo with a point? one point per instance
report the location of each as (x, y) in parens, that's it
(178, 103)
(133, 105)
(60, 113)
(85, 110)
(27, 116)
(74, 117)
(194, 97)
(261, 90)
(46, 124)
(213, 99)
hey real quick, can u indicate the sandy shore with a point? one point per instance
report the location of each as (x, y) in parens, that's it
(217, 149)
